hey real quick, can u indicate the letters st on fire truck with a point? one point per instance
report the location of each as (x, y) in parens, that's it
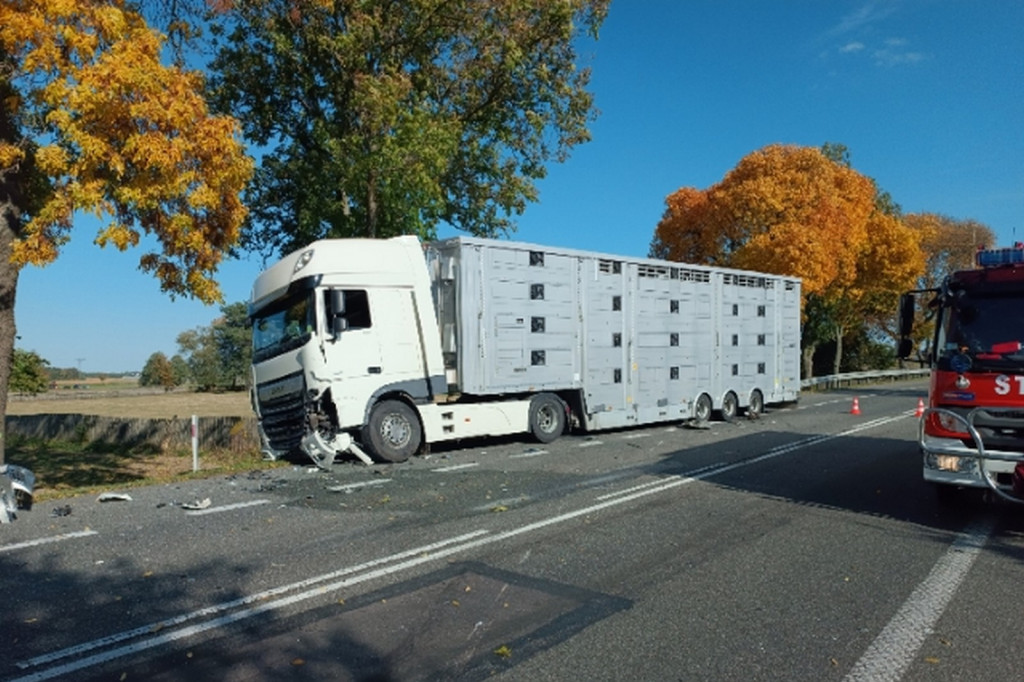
(972, 433)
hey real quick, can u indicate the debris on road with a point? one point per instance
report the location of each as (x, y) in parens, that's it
(114, 497)
(197, 505)
(16, 488)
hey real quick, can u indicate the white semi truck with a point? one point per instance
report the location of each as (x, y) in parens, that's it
(384, 346)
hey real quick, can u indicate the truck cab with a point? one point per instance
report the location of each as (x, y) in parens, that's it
(972, 433)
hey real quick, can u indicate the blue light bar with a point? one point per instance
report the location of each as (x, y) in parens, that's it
(990, 258)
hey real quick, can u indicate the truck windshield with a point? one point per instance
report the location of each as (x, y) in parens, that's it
(283, 326)
(989, 327)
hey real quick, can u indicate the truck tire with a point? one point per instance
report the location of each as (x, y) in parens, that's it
(730, 407)
(756, 405)
(547, 417)
(392, 433)
(702, 410)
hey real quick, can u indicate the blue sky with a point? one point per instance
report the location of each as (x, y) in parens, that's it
(928, 95)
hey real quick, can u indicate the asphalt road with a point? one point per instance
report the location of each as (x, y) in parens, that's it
(799, 546)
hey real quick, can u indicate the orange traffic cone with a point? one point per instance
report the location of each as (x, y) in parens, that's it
(919, 412)
(856, 407)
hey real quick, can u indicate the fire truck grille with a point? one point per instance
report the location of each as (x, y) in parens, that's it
(1001, 429)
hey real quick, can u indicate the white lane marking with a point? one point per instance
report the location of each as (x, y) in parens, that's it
(47, 540)
(224, 508)
(161, 633)
(355, 486)
(896, 646)
(456, 467)
(693, 475)
(225, 606)
(634, 436)
(590, 444)
(531, 453)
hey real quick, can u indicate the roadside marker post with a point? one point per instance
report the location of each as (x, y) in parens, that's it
(195, 443)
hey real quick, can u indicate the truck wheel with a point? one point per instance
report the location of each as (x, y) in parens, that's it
(702, 410)
(730, 407)
(756, 406)
(393, 431)
(547, 417)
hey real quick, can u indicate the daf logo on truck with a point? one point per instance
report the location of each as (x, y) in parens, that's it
(972, 434)
(377, 348)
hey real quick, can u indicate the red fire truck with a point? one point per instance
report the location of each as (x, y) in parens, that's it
(972, 432)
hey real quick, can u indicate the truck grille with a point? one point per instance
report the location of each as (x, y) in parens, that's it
(283, 412)
(1001, 429)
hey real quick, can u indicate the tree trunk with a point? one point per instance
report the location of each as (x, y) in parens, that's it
(808, 358)
(837, 360)
(8, 286)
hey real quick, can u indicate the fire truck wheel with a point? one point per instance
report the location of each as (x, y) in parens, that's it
(730, 407)
(393, 431)
(547, 417)
(702, 410)
(756, 406)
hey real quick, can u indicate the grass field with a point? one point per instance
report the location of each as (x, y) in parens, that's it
(132, 402)
(66, 469)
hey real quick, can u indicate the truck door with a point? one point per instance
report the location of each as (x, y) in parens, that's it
(353, 357)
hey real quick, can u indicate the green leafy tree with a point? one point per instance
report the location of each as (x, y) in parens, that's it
(234, 345)
(199, 348)
(218, 357)
(158, 372)
(380, 118)
(180, 369)
(28, 372)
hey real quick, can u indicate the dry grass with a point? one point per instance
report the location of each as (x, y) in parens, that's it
(65, 469)
(135, 403)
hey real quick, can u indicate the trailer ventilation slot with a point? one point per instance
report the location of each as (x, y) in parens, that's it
(687, 275)
(655, 271)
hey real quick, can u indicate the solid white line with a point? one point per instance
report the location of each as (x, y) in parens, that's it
(590, 444)
(456, 467)
(226, 507)
(895, 648)
(44, 541)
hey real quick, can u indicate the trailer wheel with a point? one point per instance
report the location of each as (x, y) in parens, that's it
(547, 417)
(730, 407)
(702, 410)
(756, 406)
(393, 431)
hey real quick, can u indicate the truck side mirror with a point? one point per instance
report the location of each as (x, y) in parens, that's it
(906, 314)
(336, 311)
(906, 347)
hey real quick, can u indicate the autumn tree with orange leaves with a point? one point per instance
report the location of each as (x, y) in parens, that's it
(949, 245)
(793, 210)
(91, 121)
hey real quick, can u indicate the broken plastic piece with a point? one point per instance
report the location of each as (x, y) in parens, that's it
(17, 485)
(197, 505)
(114, 497)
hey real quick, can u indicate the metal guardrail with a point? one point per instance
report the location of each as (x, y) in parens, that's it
(836, 380)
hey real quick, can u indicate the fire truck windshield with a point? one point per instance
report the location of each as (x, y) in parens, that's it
(987, 326)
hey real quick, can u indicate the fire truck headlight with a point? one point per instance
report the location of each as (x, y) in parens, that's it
(951, 463)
